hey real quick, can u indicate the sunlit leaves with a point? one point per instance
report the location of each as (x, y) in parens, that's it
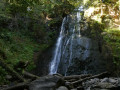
(43, 6)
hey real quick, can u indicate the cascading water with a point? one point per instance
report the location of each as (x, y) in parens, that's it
(58, 50)
(75, 53)
(57, 53)
(79, 18)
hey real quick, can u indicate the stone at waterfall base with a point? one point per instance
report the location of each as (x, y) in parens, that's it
(62, 88)
(102, 84)
(55, 82)
(49, 82)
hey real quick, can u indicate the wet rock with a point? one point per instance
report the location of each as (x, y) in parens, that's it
(99, 89)
(80, 88)
(91, 82)
(74, 89)
(102, 84)
(62, 88)
(85, 57)
(111, 80)
(46, 83)
(81, 54)
(105, 80)
(94, 80)
(67, 83)
(105, 85)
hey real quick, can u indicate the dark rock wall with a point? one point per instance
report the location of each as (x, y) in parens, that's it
(83, 54)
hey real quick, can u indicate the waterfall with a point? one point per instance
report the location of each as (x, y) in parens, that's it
(57, 53)
(75, 52)
(78, 19)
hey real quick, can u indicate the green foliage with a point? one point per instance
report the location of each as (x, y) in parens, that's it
(110, 1)
(16, 48)
(112, 38)
(19, 45)
(101, 11)
(95, 28)
(57, 7)
(89, 3)
(95, 3)
(24, 30)
(3, 73)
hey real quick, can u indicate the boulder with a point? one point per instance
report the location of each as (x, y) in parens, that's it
(111, 80)
(74, 89)
(105, 80)
(102, 84)
(105, 85)
(62, 88)
(49, 82)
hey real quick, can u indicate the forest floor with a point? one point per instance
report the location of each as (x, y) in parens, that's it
(101, 81)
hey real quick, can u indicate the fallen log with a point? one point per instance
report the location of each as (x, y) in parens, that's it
(57, 74)
(71, 80)
(19, 86)
(76, 76)
(79, 82)
(11, 70)
(29, 75)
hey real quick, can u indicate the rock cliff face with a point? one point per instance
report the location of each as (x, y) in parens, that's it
(80, 53)
(85, 58)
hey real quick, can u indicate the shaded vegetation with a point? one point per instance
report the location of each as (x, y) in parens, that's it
(106, 13)
(30, 26)
(112, 38)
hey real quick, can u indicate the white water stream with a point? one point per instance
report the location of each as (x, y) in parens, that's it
(57, 54)
(58, 50)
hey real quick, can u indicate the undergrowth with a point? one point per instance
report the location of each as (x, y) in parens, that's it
(16, 47)
(112, 38)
